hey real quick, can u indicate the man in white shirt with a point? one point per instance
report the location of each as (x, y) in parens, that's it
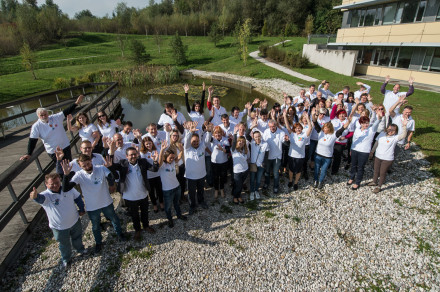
(237, 116)
(391, 97)
(50, 129)
(364, 88)
(226, 126)
(344, 92)
(156, 135)
(311, 93)
(167, 116)
(121, 147)
(274, 137)
(127, 133)
(216, 107)
(63, 215)
(398, 120)
(324, 89)
(300, 98)
(96, 183)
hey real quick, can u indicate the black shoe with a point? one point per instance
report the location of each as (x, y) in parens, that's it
(347, 167)
(295, 187)
(245, 188)
(290, 184)
(183, 218)
(170, 223)
(204, 206)
(275, 191)
(334, 172)
(306, 175)
(355, 189)
(316, 184)
(321, 185)
(98, 247)
(191, 211)
(122, 237)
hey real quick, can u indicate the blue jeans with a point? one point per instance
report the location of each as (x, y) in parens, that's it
(321, 163)
(312, 149)
(256, 178)
(172, 197)
(275, 164)
(208, 170)
(95, 218)
(239, 179)
(68, 237)
(358, 161)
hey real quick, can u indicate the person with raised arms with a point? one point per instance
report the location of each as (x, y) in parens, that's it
(196, 111)
(213, 104)
(391, 97)
(86, 130)
(219, 160)
(170, 116)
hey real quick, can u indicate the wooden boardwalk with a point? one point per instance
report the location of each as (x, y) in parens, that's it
(12, 147)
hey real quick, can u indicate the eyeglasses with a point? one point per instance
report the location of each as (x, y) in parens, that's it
(321, 114)
(381, 109)
(102, 116)
(87, 147)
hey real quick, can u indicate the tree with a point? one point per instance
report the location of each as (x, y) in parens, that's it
(84, 13)
(308, 29)
(178, 50)
(121, 43)
(28, 59)
(264, 29)
(158, 40)
(214, 34)
(224, 19)
(244, 37)
(138, 52)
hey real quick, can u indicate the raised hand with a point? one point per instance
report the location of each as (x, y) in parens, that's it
(387, 78)
(33, 194)
(67, 168)
(186, 88)
(108, 161)
(164, 145)
(203, 86)
(359, 83)
(154, 156)
(248, 105)
(193, 127)
(174, 115)
(59, 153)
(411, 80)
(284, 94)
(257, 100)
(112, 147)
(209, 127)
(369, 97)
(210, 90)
(323, 82)
(79, 99)
(69, 118)
(137, 133)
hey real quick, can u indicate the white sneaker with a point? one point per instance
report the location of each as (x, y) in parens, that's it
(257, 195)
(252, 196)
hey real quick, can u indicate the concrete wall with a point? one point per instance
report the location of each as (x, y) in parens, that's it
(339, 61)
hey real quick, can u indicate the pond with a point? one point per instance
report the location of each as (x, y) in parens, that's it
(143, 105)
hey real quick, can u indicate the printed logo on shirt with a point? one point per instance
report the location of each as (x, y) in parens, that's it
(301, 139)
(97, 181)
(56, 202)
(201, 154)
(170, 170)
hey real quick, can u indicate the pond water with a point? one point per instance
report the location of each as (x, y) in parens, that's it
(141, 108)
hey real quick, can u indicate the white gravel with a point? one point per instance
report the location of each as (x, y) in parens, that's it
(308, 240)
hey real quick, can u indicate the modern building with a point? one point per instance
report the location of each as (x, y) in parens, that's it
(396, 38)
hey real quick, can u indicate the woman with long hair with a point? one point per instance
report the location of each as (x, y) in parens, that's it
(240, 155)
(86, 130)
(196, 111)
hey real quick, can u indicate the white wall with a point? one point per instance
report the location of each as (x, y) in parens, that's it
(339, 61)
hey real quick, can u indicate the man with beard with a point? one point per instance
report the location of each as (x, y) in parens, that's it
(51, 131)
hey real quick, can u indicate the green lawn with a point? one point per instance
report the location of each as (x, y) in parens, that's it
(16, 83)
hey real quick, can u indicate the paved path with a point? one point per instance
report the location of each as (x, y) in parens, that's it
(281, 68)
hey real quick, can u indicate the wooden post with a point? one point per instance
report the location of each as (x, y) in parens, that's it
(14, 198)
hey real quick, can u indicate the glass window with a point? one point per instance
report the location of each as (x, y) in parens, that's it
(388, 13)
(435, 64)
(355, 16)
(361, 22)
(368, 54)
(404, 57)
(427, 59)
(421, 10)
(409, 11)
(369, 17)
(394, 58)
(385, 56)
(399, 12)
(378, 16)
(438, 14)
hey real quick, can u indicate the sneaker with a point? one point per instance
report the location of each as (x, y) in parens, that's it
(122, 237)
(183, 218)
(315, 185)
(376, 190)
(191, 211)
(98, 247)
(66, 264)
(257, 195)
(321, 185)
(295, 187)
(82, 252)
(252, 196)
(372, 184)
(275, 191)
(290, 184)
(204, 206)
(170, 223)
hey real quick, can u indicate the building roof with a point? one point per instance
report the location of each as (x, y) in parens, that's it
(437, 45)
(361, 3)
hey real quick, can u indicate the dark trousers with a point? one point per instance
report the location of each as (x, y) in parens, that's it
(337, 157)
(306, 158)
(358, 161)
(67, 154)
(182, 180)
(239, 179)
(196, 186)
(380, 170)
(285, 154)
(219, 175)
(155, 190)
(133, 209)
(208, 170)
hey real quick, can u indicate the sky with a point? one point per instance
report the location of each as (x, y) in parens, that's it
(97, 7)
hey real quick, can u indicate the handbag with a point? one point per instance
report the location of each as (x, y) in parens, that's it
(253, 166)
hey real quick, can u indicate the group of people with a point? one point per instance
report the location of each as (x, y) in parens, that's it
(316, 131)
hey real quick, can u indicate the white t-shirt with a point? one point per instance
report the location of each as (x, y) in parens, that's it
(94, 187)
(135, 189)
(168, 177)
(218, 156)
(262, 125)
(326, 143)
(229, 130)
(385, 146)
(234, 121)
(194, 158)
(108, 130)
(86, 132)
(298, 144)
(217, 119)
(362, 139)
(298, 99)
(120, 153)
(239, 161)
(147, 156)
(337, 124)
(258, 152)
(52, 133)
(166, 119)
(312, 96)
(305, 128)
(409, 127)
(275, 142)
(60, 208)
(97, 159)
(314, 135)
(127, 137)
(390, 99)
(197, 117)
(160, 137)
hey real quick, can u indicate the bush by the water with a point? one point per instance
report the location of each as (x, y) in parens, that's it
(292, 59)
(140, 75)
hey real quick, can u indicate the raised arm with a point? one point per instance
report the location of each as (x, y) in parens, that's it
(67, 168)
(286, 120)
(186, 88)
(398, 103)
(71, 108)
(411, 87)
(310, 129)
(384, 85)
(404, 131)
(163, 146)
(70, 127)
(209, 102)
(34, 195)
(202, 101)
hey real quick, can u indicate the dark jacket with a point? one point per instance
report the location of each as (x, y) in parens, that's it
(144, 165)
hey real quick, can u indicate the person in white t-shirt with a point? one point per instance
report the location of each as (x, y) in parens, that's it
(106, 126)
(240, 156)
(364, 88)
(386, 144)
(324, 89)
(215, 107)
(170, 184)
(391, 97)
(87, 131)
(50, 129)
(219, 160)
(398, 120)
(157, 136)
(170, 116)
(344, 92)
(63, 215)
(196, 112)
(259, 154)
(297, 149)
(127, 132)
(288, 102)
(311, 93)
(237, 116)
(96, 183)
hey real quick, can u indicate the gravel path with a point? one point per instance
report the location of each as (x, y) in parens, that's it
(309, 240)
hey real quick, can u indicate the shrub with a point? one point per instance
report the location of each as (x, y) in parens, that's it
(60, 83)
(263, 50)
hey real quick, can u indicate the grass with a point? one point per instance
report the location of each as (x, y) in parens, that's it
(202, 55)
